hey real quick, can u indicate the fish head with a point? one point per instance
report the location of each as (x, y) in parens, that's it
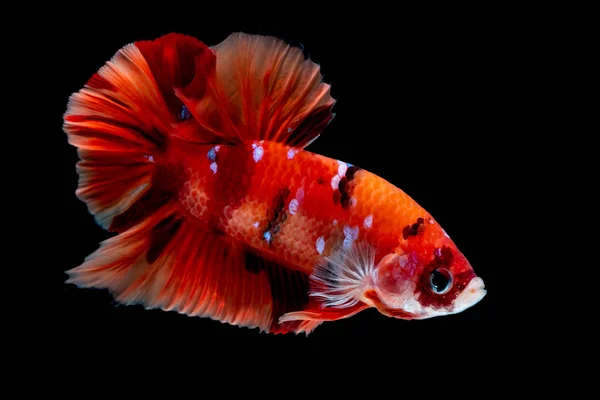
(427, 276)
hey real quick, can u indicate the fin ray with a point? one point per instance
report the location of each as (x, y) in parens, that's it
(122, 117)
(261, 89)
(196, 273)
(341, 279)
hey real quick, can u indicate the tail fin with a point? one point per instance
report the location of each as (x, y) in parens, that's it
(121, 119)
(122, 122)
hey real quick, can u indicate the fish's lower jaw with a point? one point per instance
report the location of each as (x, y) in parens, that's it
(471, 295)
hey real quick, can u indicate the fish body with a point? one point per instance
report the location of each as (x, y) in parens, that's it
(195, 156)
(293, 204)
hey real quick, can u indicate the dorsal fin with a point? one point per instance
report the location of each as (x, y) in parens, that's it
(260, 89)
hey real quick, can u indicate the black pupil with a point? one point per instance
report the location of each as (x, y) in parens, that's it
(440, 279)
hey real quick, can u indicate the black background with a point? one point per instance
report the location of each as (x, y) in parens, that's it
(423, 100)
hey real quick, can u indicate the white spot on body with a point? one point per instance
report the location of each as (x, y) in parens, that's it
(351, 234)
(300, 194)
(445, 234)
(368, 221)
(212, 153)
(320, 244)
(335, 222)
(213, 167)
(342, 168)
(255, 224)
(289, 130)
(348, 242)
(293, 206)
(267, 237)
(335, 182)
(291, 154)
(353, 202)
(257, 154)
(150, 158)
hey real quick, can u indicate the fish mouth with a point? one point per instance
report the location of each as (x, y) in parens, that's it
(471, 295)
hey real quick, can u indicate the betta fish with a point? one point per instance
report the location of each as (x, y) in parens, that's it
(195, 157)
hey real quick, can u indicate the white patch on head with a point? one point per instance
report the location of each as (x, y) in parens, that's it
(342, 168)
(213, 167)
(291, 153)
(412, 306)
(257, 154)
(320, 244)
(267, 236)
(368, 221)
(403, 259)
(293, 206)
(335, 182)
(470, 296)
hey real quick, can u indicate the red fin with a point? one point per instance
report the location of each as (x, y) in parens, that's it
(288, 289)
(174, 60)
(167, 263)
(121, 120)
(307, 320)
(337, 286)
(262, 89)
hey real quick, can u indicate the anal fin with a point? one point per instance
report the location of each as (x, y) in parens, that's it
(169, 263)
(309, 319)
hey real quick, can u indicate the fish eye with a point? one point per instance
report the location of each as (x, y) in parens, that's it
(440, 280)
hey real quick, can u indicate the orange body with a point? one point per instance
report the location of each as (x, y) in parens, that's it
(287, 204)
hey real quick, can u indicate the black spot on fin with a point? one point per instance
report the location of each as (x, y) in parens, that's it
(161, 235)
(289, 288)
